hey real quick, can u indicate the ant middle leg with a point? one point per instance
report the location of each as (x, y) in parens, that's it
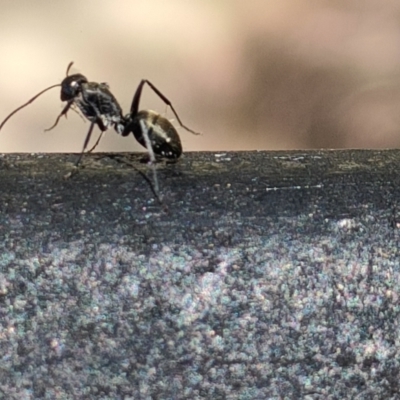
(78, 161)
(97, 142)
(85, 144)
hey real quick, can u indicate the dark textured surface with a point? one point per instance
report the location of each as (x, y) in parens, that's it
(266, 275)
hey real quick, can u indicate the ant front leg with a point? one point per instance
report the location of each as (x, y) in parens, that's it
(63, 112)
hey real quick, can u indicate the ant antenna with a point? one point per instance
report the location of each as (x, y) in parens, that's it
(33, 98)
(69, 67)
(27, 103)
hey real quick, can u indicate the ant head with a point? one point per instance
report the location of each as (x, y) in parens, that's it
(71, 86)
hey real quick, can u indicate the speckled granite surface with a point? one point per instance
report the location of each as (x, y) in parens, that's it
(270, 275)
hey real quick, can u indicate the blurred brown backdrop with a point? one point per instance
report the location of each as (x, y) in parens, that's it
(250, 74)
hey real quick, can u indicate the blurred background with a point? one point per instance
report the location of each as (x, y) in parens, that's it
(249, 74)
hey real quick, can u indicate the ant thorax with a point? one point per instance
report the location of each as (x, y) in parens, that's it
(99, 105)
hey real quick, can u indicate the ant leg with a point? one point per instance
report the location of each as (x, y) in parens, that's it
(136, 98)
(89, 134)
(63, 112)
(27, 103)
(78, 113)
(75, 171)
(168, 103)
(151, 155)
(98, 141)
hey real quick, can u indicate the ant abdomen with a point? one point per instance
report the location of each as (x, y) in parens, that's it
(164, 138)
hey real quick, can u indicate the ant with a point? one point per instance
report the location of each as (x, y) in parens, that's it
(101, 108)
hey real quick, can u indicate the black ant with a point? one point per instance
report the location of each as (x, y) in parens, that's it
(101, 108)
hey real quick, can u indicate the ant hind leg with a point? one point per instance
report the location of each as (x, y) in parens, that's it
(169, 104)
(151, 156)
